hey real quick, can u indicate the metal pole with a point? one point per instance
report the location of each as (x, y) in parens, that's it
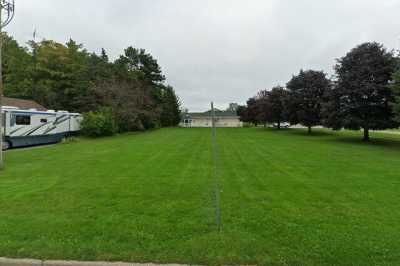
(215, 171)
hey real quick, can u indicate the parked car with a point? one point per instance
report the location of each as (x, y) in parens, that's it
(283, 125)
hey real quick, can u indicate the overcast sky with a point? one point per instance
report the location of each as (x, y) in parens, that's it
(220, 50)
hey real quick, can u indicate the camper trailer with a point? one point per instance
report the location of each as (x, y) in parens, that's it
(31, 127)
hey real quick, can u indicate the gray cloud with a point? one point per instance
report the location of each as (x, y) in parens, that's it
(221, 50)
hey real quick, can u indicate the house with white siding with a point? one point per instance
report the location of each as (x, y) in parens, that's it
(227, 118)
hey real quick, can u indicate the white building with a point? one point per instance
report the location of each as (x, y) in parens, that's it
(222, 119)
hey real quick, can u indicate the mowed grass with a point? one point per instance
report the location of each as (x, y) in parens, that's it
(286, 199)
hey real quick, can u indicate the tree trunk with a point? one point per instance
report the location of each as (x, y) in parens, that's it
(279, 125)
(366, 134)
(309, 130)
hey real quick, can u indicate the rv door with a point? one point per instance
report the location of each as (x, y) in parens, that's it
(3, 123)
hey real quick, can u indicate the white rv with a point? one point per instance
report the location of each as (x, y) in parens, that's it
(31, 127)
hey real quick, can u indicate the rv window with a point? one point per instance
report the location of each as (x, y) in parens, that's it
(43, 120)
(23, 120)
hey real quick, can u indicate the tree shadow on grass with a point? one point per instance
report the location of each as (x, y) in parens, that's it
(386, 142)
(314, 132)
(342, 137)
(302, 132)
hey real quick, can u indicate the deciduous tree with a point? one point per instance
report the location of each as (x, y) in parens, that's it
(305, 98)
(68, 77)
(262, 107)
(252, 111)
(361, 99)
(276, 109)
(17, 69)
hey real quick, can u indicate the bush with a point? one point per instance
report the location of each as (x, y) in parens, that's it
(98, 124)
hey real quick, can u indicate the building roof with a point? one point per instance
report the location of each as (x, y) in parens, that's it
(22, 104)
(218, 113)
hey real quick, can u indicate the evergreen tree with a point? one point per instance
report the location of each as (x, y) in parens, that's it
(141, 64)
(171, 113)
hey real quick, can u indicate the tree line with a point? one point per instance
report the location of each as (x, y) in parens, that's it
(363, 95)
(125, 94)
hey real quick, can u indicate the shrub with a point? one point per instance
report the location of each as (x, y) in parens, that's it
(98, 124)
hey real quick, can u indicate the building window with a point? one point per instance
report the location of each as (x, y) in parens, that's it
(23, 120)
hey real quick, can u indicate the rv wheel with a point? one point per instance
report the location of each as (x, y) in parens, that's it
(6, 145)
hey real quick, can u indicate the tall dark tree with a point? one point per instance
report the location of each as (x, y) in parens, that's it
(104, 56)
(77, 75)
(138, 61)
(262, 107)
(99, 67)
(331, 117)
(305, 98)
(249, 113)
(276, 110)
(252, 111)
(171, 113)
(242, 113)
(361, 99)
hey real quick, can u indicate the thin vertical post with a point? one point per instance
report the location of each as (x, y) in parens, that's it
(217, 200)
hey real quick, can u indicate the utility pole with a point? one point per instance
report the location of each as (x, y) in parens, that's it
(7, 7)
(34, 53)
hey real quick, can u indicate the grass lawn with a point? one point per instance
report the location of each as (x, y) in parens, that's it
(286, 199)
